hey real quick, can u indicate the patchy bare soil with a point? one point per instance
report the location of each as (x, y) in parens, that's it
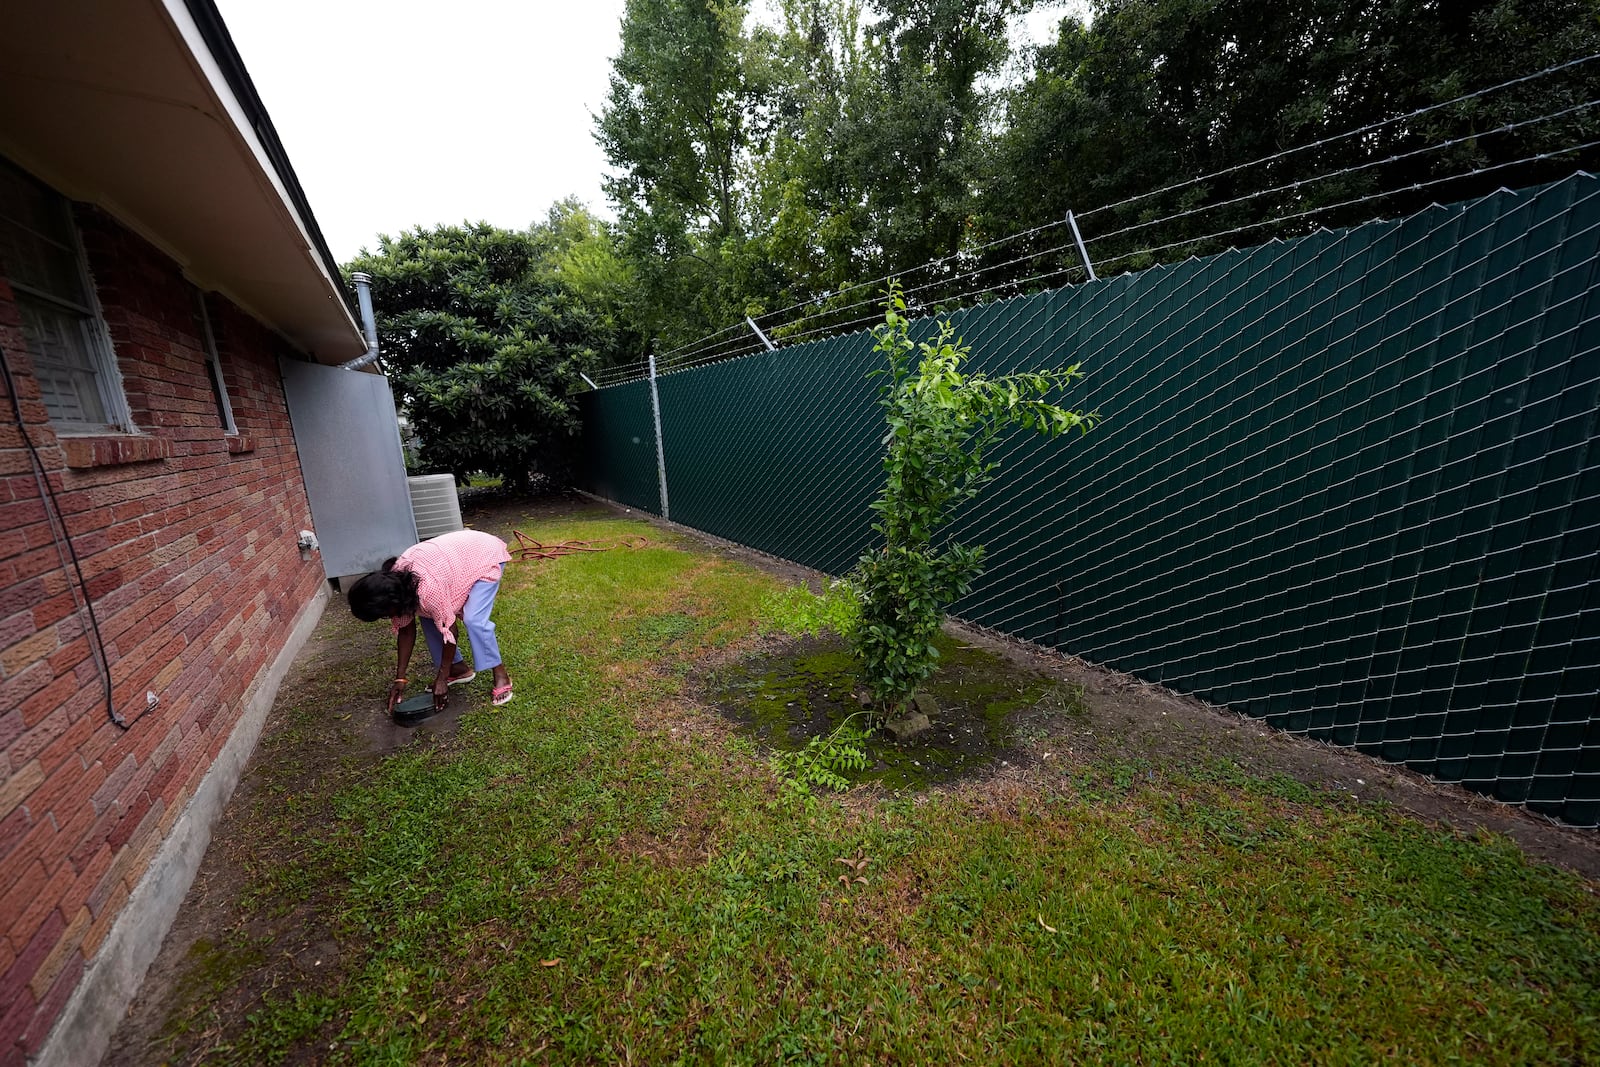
(329, 721)
(1144, 725)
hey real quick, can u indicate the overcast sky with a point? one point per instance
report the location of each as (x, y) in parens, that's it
(418, 112)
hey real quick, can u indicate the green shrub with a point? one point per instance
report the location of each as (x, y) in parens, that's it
(799, 612)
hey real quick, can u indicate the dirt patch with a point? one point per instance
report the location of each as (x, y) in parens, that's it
(237, 940)
(977, 705)
(222, 957)
(1142, 726)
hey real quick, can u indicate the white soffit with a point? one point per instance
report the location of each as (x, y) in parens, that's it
(123, 105)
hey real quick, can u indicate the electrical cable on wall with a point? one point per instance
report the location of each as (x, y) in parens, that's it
(61, 536)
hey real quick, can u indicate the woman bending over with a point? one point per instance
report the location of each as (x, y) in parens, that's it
(452, 577)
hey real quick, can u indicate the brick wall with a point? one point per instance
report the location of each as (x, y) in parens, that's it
(186, 540)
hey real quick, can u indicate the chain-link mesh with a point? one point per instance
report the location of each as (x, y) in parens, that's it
(1345, 483)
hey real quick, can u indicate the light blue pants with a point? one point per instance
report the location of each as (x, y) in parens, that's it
(480, 629)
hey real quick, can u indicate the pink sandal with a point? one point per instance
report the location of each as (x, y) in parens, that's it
(502, 694)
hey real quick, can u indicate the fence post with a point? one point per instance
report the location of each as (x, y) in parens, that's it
(770, 346)
(661, 455)
(1082, 251)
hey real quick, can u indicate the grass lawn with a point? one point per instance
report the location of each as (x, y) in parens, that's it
(604, 872)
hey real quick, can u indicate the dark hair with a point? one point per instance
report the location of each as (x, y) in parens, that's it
(385, 594)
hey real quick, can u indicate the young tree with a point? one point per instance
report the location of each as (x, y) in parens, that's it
(486, 347)
(941, 421)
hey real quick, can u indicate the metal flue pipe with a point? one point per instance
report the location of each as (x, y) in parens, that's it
(369, 322)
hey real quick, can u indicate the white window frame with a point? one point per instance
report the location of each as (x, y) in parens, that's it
(97, 338)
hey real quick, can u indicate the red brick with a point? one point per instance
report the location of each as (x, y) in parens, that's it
(148, 735)
(14, 829)
(166, 778)
(23, 689)
(87, 878)
(39, 645)
(18, 1013)
(14, 984)
(25, 905)
(67, 951)
(15, 540)
(121, 874)
(118, 554)
(66, 788)
(41, 741)
(97, 837)
(43, 700)
(26, 508)
(73, 651)
(103, 583)
(106, 733)
(73, 828)
(128, 826)
(18, 785)
(11, 728)
(104, 916)
(30, 587)
(15, 627)
(44, 1019)
(115, 780)
(146, 840)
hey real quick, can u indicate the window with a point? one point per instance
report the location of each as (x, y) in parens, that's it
(219, 387)
(72, 358)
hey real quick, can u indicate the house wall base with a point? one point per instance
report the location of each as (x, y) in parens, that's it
(110, 982)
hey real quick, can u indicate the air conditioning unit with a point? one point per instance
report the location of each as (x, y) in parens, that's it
(434, 504)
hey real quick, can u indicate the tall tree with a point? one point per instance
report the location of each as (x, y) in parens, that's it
(579, 251)
(1151, 93)
(673, 129)
(917, 133)
(808, 196)
(487, 347)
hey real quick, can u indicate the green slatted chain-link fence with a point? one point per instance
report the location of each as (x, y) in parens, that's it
(1346, 483)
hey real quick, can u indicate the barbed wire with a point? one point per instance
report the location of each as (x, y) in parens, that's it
(736, 339)
(1217, 235)
(1414, 187)
(741, 346)
(1057, 223)
(914, 300)
(1295, 185)
(1418, 113)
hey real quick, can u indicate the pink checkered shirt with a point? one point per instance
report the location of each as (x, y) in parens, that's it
(447, 567)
